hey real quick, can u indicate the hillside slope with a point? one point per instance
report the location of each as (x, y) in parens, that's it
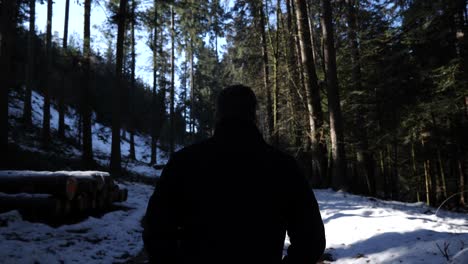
(28, 141)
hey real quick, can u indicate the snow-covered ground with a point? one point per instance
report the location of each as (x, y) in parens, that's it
(358, 230)
(112, 238)
(101, 134)
(368, 230)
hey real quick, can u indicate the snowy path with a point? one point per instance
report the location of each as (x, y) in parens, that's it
(358, 229)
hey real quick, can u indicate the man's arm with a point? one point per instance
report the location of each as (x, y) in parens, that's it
(161, 222)
(305, 227)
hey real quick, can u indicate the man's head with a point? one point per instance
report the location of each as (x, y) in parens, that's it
(236, 102)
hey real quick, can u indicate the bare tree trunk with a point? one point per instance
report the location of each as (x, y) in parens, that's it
(48, 66)
(295, 81)
(27, 120)
(276, 77)
(61, 103)
(334, 108)
(172, 91)
(115, 166)
(312, 94)
(154, 136)
(132, 88)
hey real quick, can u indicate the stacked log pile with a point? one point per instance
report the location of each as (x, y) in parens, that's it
(60, 193)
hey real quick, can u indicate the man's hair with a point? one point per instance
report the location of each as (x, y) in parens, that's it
(236, 102)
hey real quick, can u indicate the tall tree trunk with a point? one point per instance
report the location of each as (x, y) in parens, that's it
(295, 81)
(336, 120)
(312, 94)
(363, 156)
(162, 78)
(314, 38)
(86, 98)
(154, 136)
(48, 70)
(7, 42)
(172, 91)
(132, 87)
(27, 120)
(115, 166)
(61, 103)
(276, 135)
(266, 73)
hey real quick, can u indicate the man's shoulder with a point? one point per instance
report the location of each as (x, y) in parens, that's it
(197, 148)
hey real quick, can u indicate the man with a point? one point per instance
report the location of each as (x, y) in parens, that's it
(231, 198)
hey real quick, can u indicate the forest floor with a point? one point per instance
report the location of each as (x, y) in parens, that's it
(358, 230)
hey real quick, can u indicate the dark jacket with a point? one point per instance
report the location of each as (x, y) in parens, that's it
(231, 199)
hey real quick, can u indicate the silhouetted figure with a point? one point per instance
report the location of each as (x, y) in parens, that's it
(231, 198)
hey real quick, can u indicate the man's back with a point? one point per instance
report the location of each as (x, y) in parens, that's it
(231, 199)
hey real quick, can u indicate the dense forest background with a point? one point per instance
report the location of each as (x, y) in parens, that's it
(369, 96)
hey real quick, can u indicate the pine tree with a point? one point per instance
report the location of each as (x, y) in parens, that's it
(363, 156)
